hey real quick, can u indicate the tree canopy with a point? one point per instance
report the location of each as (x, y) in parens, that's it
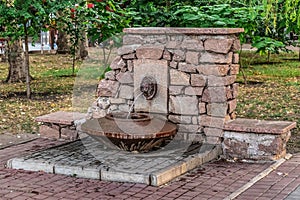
(267, 23)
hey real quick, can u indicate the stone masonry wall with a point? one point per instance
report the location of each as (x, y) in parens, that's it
(196, 71)
(252, 139)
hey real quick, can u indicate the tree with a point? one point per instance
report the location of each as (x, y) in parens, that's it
(96, 20)
(267, 23)
(22, 19)
(16, 71)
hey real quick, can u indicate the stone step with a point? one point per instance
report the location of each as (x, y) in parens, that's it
(60, 125)
(253, 139)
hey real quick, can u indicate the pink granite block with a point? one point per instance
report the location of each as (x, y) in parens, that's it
(259, 126)
(61, 117)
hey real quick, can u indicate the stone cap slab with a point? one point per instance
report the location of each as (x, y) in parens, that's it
(259, 126)
(61, 117)
(188, 31)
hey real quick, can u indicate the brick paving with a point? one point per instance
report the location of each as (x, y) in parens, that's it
(214, 180)
(279, 184)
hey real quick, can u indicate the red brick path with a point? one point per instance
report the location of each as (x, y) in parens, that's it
(211, 181)
(278, 184)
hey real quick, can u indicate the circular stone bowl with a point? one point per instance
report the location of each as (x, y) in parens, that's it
(139, 132)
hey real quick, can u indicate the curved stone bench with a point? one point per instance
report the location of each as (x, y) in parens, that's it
(253, 139)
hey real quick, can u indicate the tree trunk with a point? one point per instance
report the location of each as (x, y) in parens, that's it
(52, 38)
(62, 43)
(83, 53)
(27, 72)
(16, 72)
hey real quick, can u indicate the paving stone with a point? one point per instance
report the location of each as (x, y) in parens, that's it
(217, 58)
(202, 108)
(185, 105)
(132, 39)
(154, 52)
(215, 81)
(167, 55)
(209, 121)
(192, 57)
(88, 158)
(192, 44)
(234, 69)
(179, 78)
(236, 45)
(124, 177)
(117, 63)
(127, 49)
(164, 176)
(214, 95)
(179, 55)
(217, 70)
(217, 109)
(77, 171)
(193, 91)
(29, 164)
(235, 58)
(218, 45)
(111, 75)
(125, 78)
(61, 117)
(175, 89)
(260, 126)
(173, 64)
(185, 67)
(126, 92)
(198, 80)
(190, 128)
(180, 119)
(129, 56)
(48, 132)
(107, 88)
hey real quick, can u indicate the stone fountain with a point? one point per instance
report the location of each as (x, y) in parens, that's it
(133, 131)
(186, 76)
(166, 107)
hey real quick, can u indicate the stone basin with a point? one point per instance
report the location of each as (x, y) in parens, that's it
(139, 132)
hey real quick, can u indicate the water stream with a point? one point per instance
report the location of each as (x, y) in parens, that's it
(131, 107)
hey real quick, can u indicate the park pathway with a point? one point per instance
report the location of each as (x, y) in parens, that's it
(215, 180)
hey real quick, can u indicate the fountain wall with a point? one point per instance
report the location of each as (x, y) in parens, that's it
(195, 70)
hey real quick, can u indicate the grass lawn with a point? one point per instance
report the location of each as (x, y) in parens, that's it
(272, 91)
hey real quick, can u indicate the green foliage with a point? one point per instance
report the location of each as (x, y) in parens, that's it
(153, 13)
(106, 19)
(21, 20)
(273, 19)
(222, 15)
(266, 44)
(16, 15)
(96, 20)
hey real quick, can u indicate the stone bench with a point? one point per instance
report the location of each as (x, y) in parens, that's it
(252, 139)
(59, 125)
